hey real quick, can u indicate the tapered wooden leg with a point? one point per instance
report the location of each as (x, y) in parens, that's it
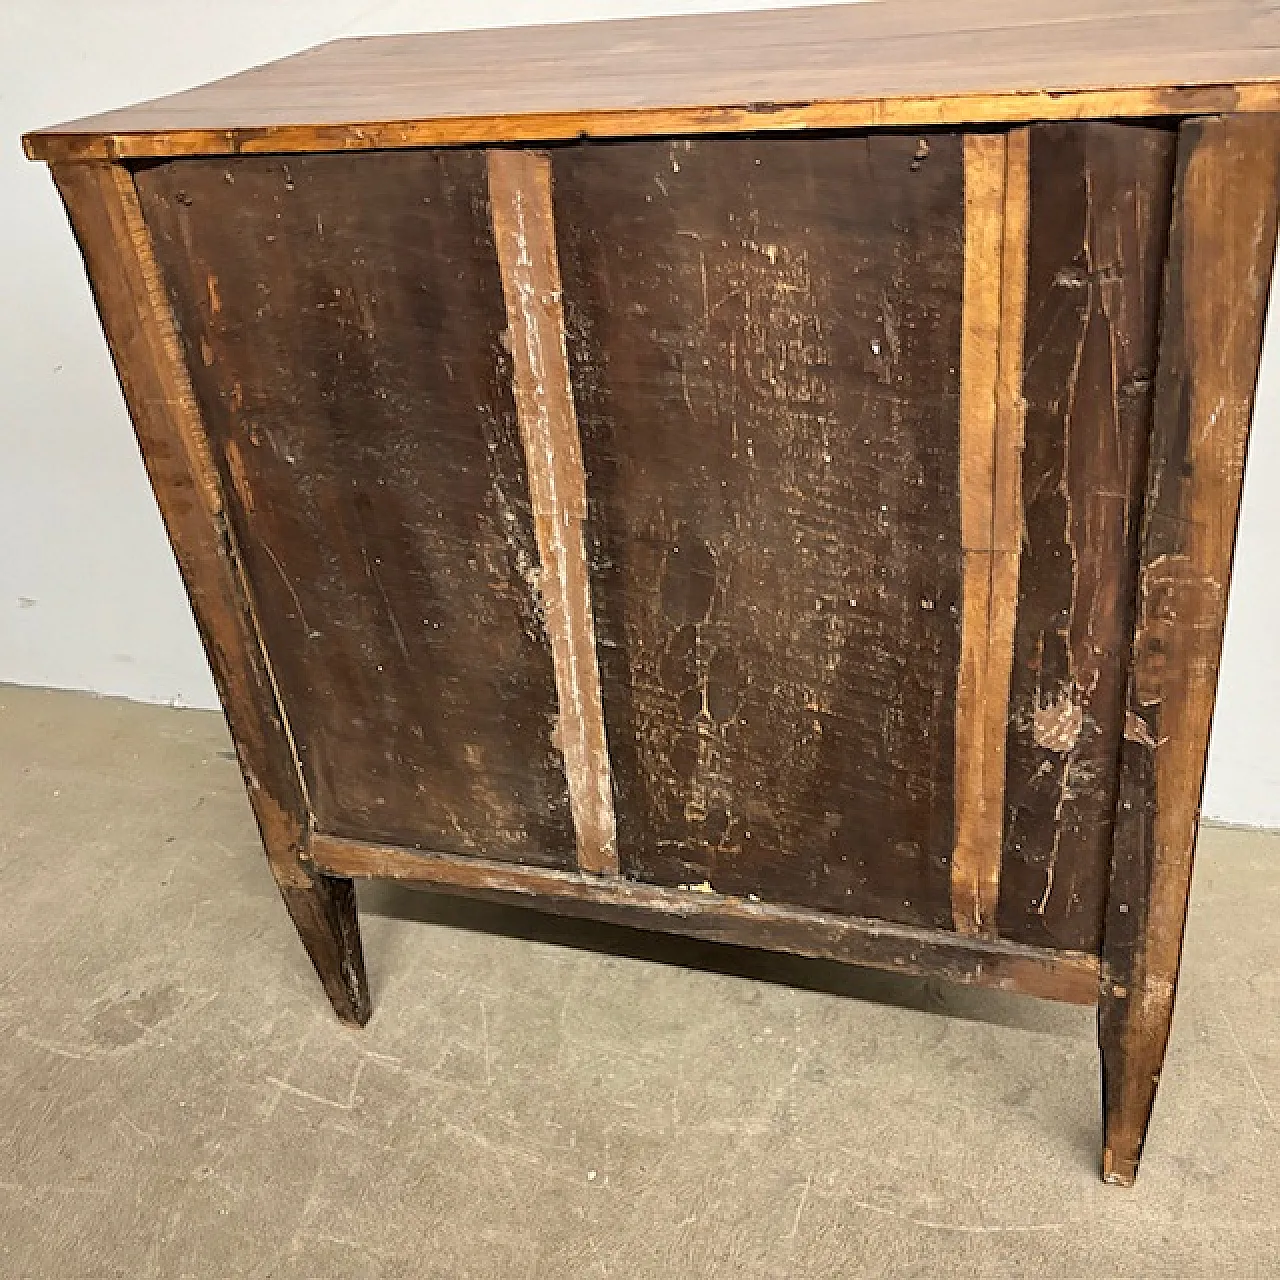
(325, 916)
(1221, 245)
(1135, 1004)
(1132, 1056)
(1133, 1034)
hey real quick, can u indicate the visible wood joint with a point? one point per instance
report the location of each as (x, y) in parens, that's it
(524, 227)
(992, 414)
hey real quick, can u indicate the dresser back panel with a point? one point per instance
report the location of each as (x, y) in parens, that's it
(765, 340)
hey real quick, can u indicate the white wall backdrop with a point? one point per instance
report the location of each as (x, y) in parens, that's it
(89, 594)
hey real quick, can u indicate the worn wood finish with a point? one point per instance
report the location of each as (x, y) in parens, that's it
(344, 323)
(766, 377)
(995, 281)
(103, 207)
(520, 193)
(1071, 977)
(1221, 251)
(1100, 198)
(922, 64)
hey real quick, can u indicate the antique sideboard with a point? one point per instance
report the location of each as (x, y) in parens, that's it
(771, 477)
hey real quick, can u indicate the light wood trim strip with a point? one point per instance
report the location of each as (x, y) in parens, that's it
(1221, 255)
(924, 111)
(992, 416)
(1057, 975)
(524, 227)
(974, 871)
(1006, 505)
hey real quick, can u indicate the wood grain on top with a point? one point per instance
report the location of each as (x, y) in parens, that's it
(902, 62)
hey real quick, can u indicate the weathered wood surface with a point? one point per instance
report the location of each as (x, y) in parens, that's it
(1068, 976)
(1100, 197)
(995, 286)
(920, 64)
(1221, 252)
(520, 198)
(764, 339)
(343, 319)
(103, 207)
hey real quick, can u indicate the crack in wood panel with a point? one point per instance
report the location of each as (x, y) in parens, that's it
(524, 229)
(992, 416)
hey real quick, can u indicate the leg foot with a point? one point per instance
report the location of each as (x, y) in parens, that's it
(1120, 1172)
(324, 913)
(1133, 1032)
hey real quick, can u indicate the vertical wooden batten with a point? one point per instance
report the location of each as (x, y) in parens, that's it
(1221, 252)
(524, 229)
(102, 203)
(992, 412)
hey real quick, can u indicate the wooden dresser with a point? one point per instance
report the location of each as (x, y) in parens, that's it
(767, 477)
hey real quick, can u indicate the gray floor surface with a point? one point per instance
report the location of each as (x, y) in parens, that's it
(541, 1098)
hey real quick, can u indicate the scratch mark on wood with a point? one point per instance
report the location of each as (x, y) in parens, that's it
(520, 198)
(293, 594)
(376, 579)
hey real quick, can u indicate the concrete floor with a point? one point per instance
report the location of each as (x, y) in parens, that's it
(539, 1098)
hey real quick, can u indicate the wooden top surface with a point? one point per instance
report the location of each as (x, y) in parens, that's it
(884, 62)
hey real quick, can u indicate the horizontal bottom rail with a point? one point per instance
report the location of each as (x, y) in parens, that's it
(1071, 976)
